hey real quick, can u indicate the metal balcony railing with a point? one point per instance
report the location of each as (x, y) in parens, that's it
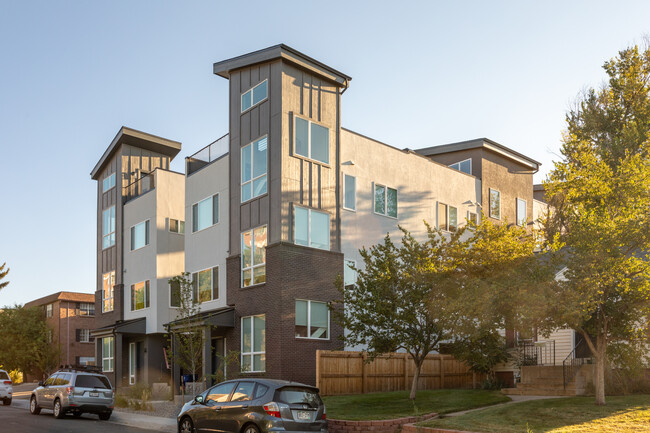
(208, 154)
(537, 352)
(135, 189)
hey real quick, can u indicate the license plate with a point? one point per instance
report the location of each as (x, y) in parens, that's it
(94, 394)
(304, 415)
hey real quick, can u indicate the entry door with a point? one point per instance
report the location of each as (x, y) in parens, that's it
(218, 352)
(132, 363)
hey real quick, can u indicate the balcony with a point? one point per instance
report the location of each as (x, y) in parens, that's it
(207, 155)
(135, 189)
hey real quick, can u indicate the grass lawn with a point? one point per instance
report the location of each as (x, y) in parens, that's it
(388, 405)
(576, 414)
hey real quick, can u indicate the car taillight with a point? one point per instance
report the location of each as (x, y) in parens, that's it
(69, 389)
(272, 409)
(7, 382)
(324, 412)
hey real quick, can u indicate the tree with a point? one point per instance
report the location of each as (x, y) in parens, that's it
(3, 274)
(600, 192)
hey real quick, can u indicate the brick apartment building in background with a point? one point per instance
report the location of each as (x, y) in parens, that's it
(70, 317)
(267, 216)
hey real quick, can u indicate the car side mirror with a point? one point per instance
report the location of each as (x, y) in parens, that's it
(198, 399)
(40, 383)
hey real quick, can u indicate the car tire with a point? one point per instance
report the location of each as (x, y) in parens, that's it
(105, 416)
(6, 401)
(186, 425)
(250, 428)
(58, 410)
(33, 406)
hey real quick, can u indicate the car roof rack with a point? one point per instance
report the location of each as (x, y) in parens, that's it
(78, 367)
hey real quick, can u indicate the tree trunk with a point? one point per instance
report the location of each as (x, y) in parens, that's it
(599, 379)
(416, 377)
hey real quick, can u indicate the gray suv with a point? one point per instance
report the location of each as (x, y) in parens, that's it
(76, 391)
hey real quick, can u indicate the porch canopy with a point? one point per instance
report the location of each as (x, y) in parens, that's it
(133, 326)
(220, 318)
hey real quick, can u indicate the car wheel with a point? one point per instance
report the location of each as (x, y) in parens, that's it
(105, 416)
(58, 410)
(33, 407)
(6, 401)
(186, 425)
(251, 428)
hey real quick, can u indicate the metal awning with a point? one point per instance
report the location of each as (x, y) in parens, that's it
(221, 318)
(133, 326)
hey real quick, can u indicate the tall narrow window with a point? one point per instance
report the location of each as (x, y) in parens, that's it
(204, 213)
(522, 219)
(140, 235)
(311, 140)
(253, 169)
(385, 201)
(312, 228)
(350, 192)
(312, 320)
(109, 182)
(108, 283)
(174, 294)
(206, 284)
(253, 343)
(49, 310)
(107, 354)
(447, 217)
(349, 274)
(132, 363)
(140, 295)
(253, 256)
(495, 204)
(108, 227)
(254, 96)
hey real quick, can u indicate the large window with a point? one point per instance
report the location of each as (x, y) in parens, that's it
(86, 309)
(107, 354)
(108, 227)
(140, 295)
(522, 219)
(495, 204)
(254, 96)
(205, 213)
(253, 169)
(108, 283)
(464, 166)
(349, 192)
(253, 343)
(385, 201)
(312, 140)
(109, 182)
(312, 320)
(253, 256)
(206, 284)
(447, 217)
(312, 228)
(140, 235)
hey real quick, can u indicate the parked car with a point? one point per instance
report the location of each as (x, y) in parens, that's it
(255, 406)
(74, 390)
(6, 389)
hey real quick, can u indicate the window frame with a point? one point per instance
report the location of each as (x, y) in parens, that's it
(309, 149)
(252, 353)
(49, 310)
(147, 235)
(111, 358)
(253, 178)
(196, 214)
(309, 326)
(147, 295)
(196, 295)
(346, 267)
(84, 333)
(111, 183)
(90, 307)
(469, 216)
(386, 188)
(519, 222)
(459, 163)
(345, 186)
(111, 290)
(253, 265)
(180, 224)
(309, 220)
(111, 234)
(490, 203)
(251, 90)
(448, 208)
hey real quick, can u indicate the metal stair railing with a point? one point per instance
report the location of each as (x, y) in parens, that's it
(571, 365)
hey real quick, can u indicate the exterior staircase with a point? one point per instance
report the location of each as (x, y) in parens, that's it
(548, 380)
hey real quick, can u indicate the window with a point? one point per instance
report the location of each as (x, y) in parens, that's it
(260, 390)
(86, 309)
(174, 294)
(464, 166)
(312, 319)
(253, 169)
(253, 256)
(521, 213)
(49, 310)
(254, 96)
(109, 182)
(385, 201)
(107, 354)
(85, 360)
(82, 335)
(205, 284)
(311, 228)
(178, 226)
(311, 140)
(243, 392)
(220, 393)
(349, 274)
(140, 295)
(108, 283)
(472, 217)
(205, 213)
(349, 192)
(132, 363)
(495, 204)
(447, 217)
(92, 381)
(253, 343)
(108, 227)
(140, 235)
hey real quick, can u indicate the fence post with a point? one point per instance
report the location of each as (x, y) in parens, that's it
(318, 381)
(406, 372)
(473, 380)
(364, 374)
(442, 373)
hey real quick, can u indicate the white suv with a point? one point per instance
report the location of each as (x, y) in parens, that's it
(6, 390)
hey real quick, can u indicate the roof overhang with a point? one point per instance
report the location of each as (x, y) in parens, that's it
(284, 52)
(133, 326)
(221, 318)
(139, 139)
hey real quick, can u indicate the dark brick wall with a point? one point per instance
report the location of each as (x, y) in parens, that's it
(292, 272)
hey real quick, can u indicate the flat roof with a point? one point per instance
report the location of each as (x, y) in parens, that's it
(139, 139)
(481, 143)
(281, 51)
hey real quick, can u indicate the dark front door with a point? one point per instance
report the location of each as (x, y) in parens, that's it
(218, 354)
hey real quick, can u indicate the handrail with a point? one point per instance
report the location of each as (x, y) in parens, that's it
(537, 352)
(571, 365)
(139, 186)
(206, 155)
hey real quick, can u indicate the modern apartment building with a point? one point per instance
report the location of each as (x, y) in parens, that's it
(70, 317)
(272, 211)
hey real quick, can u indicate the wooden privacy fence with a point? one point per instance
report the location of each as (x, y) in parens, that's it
(341, 372)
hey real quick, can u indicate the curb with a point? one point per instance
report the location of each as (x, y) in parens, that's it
(375, 426)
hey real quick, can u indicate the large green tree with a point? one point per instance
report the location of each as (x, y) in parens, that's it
(3, 275)
(599, 193)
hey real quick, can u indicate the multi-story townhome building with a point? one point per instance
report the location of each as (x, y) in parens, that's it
(70, 317)
(276, 208)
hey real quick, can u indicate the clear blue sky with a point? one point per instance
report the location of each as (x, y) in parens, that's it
(424, 73)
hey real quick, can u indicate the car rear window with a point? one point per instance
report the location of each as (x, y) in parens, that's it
(297, 395)
(90, 381)
(3, 375)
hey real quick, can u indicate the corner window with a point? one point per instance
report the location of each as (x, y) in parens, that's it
(311, 140)
(349, 192)
(109, 182)
(49, 310)
(253, 343)
(253, 169)
(254, 96)
(464, 166)
(205, 213)
(311, 228)
(495, 204)
(447, 217)
(312, 320)
(107, 354)
(178, 226)
(108, 227)
(108, 284)
(140, 295)
(253, 256)
(385, 201)
(522, 219)
(140, 235)
(205, 284)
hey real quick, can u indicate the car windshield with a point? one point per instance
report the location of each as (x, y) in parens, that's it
(3, 375)
(91, 381)
(296, 395)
